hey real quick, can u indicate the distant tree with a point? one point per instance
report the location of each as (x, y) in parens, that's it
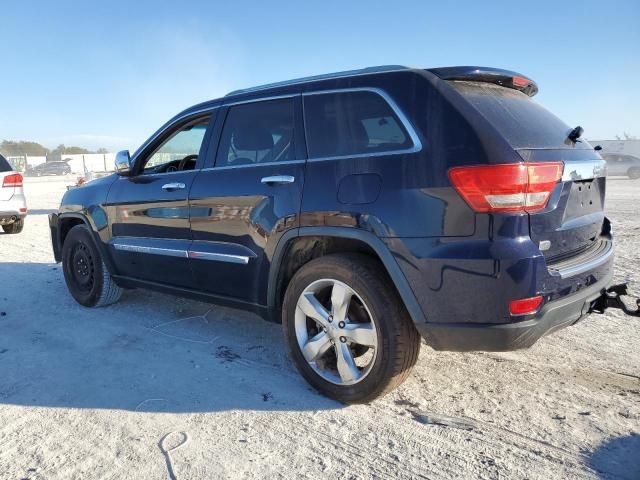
(102, 150)
(20, 148)
(64, 150)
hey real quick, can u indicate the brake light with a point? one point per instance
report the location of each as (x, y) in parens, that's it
(526, 306)
(13, 180)
(513, 187)
(520, 81)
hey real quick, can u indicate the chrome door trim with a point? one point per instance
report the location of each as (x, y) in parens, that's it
(404, 120)
(584, 170)
(169, 252)
(219, 257)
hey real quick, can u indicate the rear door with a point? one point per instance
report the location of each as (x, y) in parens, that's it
(247, 197)
(149, 210)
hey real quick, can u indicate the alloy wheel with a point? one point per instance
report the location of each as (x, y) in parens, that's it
(336, 332)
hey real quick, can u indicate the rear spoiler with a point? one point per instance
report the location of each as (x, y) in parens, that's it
(504, 78)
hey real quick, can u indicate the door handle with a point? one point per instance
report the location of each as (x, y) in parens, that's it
(278, 180)
(170, 187)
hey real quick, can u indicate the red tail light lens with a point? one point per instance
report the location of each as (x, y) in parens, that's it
(526, 306)
(513, 187)
(13, 180)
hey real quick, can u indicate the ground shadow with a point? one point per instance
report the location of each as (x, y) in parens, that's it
(618, 458)
(150, 352)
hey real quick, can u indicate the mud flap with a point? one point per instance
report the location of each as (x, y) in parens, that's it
(612, 298)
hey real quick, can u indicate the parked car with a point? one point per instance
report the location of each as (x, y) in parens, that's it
(362, 210)
(13, 205)
(622, 165)
(50, 168)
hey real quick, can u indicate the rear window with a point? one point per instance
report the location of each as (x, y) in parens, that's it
(352, 123)
(523, 122)
(5, 166)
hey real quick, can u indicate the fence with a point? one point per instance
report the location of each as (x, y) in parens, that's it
(88, 162)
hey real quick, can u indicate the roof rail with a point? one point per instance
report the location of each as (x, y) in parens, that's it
(326, 76)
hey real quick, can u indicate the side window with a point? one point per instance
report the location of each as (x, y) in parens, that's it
(180, 151)
(352, 123)
(259, 132)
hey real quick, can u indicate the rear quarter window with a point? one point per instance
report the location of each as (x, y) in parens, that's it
(523, 122)
(5, 166)
(352, 123)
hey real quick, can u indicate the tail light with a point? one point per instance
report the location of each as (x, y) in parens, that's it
(513, 187)
(526, 306)
(13, 180)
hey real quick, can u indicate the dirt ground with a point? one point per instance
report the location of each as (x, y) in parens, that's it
(157, 387)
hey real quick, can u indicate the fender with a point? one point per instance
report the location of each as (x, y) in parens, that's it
(54, 225)
(377, 245)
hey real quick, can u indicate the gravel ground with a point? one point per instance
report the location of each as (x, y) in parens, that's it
(159, 387)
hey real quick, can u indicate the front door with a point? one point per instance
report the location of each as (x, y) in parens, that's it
(149, 210)
(243, 203)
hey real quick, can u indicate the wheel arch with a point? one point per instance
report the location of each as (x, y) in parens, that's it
(298, 247)
(66, 221)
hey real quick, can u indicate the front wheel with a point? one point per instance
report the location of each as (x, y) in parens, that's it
(85, 274)
(346, 328)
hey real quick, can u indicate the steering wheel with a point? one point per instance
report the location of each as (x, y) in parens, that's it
(188, 158)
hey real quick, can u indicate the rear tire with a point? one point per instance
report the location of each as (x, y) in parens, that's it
(85, 274)
(15, 227)
(634, 173)
(373, 305)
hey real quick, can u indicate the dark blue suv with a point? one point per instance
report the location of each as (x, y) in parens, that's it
(362, 210)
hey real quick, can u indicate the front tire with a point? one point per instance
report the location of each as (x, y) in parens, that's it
(634, 173)
(85, 274)
(15, 227)
(346, 328)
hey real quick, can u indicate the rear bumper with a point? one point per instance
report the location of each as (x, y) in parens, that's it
(467, 337)
(13, 208)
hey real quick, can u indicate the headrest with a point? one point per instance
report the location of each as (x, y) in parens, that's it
(252, 137)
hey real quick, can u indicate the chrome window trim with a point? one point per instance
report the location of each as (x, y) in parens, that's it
(584, 170)
(404, 120)
(161, 174)
(261, 99)
(253, 165)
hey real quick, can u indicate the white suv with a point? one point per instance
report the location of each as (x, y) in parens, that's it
(13, 204)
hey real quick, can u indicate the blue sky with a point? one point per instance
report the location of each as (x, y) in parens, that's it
(107, 74)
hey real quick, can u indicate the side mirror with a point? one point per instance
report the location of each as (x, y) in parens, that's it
(123, 162)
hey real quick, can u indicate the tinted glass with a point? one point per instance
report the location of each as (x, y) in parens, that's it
(258, 132)
(5, 166)
(523, 122)
(184, 144)
(352, 123)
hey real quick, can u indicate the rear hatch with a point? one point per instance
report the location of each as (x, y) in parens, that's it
(572, 221)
